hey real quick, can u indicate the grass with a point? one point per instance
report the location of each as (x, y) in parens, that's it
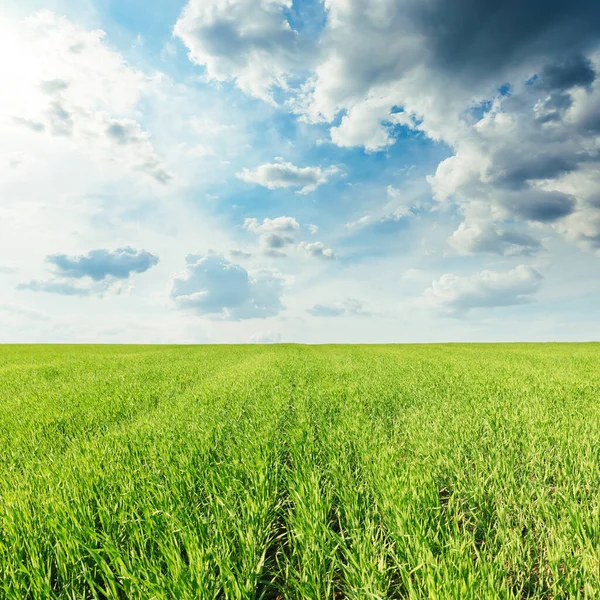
(290, 472)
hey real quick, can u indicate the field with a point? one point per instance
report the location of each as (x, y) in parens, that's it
(364, 472)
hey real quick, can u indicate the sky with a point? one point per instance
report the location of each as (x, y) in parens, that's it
(310, 171)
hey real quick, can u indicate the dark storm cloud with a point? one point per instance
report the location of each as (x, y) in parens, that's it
(575, 71)
(475, 37)
(100, 264)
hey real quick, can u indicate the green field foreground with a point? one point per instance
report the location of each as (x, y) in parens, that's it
(364, 472)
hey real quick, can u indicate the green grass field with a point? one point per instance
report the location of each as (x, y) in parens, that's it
(364, 472)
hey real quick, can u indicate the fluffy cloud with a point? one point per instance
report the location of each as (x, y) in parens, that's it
(530, 163)
(473, 237)
(275, 234)
(246, 41)
(456, 295)
(211, 285)
(317, 250)
(102, 264)
(101, 268)
(349, 307)
(286, 175)
(528, 149)
(432, 59)
(81, 91)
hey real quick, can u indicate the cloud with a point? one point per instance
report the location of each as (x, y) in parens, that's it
(54, 286)
(29, 123)
(417, 50)
(538, 205)
(265, 337)
(101, 271)
(211, 285)
(575, 70)
(456, 295)
(349, 307)
(512, 89)
(86, 93)
(317, 250)
(249, 42)
(239, 254)
(128, 133)
(286, 175)
(275, 234)
(27, 313)
(400, 205)
(102, 264)
(474, 237)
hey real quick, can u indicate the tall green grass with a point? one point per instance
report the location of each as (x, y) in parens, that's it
(290, 472)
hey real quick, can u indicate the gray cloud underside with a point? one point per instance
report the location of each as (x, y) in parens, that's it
(100, 264)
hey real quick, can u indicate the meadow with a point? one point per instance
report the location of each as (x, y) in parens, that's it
(299, 472)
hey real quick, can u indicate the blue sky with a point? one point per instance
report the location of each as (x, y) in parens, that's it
(301, 171)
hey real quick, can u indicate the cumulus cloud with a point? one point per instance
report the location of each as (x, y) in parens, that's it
(249, 42)
(456, 294)
(513, 92)
(286, 175)
(529, 168)
(101, 264)
(317, 250)
(473, 237)
(211, 285)
(101, 271)
(417, 51)
(349, 307)
(275, 234)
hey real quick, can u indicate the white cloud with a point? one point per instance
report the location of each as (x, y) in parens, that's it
(211, 285)
(275, 234)
(317, 250)
(246, 41)
(361, 222)
(101, 271)
(349, 307)
(473, 237)
(64, 81)
(265, 337)
(277, 225)
(456, 294)
(286, 175)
